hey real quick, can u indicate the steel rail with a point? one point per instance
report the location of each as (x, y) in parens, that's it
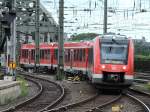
(21, 104)
(65, 107)
(147, 109)
(105, 104)
(28, 100)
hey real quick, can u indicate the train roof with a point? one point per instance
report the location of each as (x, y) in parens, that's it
(118, 36)
(115, 36)
(55, 45)
(120, 39)
(78, 44)
(28, 46)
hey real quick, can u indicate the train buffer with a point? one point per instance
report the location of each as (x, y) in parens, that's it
(117, 108)
(75, 78)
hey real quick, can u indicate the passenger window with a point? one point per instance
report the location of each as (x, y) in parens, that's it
(41, 54)
(32, 54)
(48, 54)
(56, 54)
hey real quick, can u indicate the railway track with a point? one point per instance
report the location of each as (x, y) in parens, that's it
(96, 103)
(142, 97)
(99, 102)
(103, 103)
(50, 93)
(127, 103)
(88, 104)
(130, 103)
(141, 75)
(23, 102)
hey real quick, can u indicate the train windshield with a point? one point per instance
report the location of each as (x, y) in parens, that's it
(114, 53)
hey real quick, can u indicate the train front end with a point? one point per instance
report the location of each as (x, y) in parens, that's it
(113, 62)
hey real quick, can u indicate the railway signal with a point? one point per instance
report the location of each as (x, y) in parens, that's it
(12, 65)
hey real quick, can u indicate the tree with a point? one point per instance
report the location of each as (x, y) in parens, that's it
(83, 36)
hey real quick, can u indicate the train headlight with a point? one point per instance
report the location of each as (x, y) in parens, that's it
(103, 66)
(114, 37)
(124, 67)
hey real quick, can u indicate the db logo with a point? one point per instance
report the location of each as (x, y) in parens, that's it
(113, 68)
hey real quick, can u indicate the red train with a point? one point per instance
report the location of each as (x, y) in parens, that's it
(107, 61)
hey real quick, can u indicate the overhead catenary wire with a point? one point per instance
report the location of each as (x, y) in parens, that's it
(93, 14)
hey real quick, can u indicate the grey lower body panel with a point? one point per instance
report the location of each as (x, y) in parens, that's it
(99, 81)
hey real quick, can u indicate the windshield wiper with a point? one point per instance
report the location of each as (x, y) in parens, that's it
(115, 41)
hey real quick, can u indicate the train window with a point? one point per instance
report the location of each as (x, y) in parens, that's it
(74, 55)
(48, 54)
(24, 53)
(114, 53)
(56, 53)
(41, 54)
(83, 55)
(45, 54)
(32, 54)
(21, 53)
(90, 55)
(80, 55)
(68, 54)
(27, 53)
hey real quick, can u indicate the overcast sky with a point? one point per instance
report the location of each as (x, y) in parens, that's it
(126, 19)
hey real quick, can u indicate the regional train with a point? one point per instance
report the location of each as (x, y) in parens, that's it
(107, 61)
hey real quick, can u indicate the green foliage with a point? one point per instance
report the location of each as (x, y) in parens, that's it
(83, 36)
(147, 86)
(142, 58)
(23, 85)
(141, 49)
(8, 100)
(1, 75)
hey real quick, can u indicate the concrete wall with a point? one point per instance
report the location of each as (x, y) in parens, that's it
(9, 90)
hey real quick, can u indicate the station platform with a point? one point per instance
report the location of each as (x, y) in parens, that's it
(9, 90)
